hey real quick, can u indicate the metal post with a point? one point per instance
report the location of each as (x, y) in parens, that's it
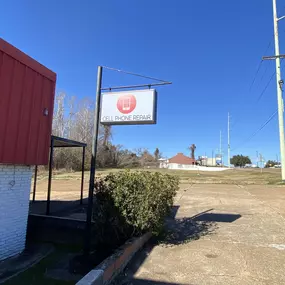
(93, 162)
(279, 91)
(35, 183)
(257, 158)
(229, 148)
(221, 148)
(49, 176)
(82, 176)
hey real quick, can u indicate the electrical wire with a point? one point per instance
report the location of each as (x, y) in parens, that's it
(259, 66)
(255, 76)
(258, 130)
(265, 88)
(135, 74)
(265, 71)
(268, 83)
(259, 97)
(254, 79)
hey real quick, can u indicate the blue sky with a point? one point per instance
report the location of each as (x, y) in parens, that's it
(210, 50)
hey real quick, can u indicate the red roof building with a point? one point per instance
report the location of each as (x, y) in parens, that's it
(180, 158)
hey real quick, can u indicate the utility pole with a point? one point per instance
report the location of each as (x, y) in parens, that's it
(257, 158)
(221, 148)
(261, 164)
(229, 148)
(279, 89)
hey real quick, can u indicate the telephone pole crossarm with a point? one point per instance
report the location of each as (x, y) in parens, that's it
(273, 57)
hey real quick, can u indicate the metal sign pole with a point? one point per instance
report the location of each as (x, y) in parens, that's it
(35, 183)
(93, 163)
(50, 175)
(82, 176)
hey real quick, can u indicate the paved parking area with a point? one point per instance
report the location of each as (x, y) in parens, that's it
(241, 239)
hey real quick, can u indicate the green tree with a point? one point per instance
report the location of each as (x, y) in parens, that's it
(271, 163)
(240, 160)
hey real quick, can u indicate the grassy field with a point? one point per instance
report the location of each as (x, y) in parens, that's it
(232, 176)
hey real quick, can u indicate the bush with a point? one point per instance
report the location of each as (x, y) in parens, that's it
(129, 204)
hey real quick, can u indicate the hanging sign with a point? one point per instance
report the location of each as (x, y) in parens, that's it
(129, 107)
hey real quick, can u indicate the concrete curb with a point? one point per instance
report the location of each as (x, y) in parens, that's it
(105, 272)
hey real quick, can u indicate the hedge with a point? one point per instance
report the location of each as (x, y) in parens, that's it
(130, 203)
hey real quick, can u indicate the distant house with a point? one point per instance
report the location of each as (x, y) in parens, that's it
(179, 161)
(163, 163)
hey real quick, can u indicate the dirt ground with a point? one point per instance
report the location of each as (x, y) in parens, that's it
(62, 189)
(220, 234)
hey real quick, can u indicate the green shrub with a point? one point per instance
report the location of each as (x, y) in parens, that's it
(131, 203)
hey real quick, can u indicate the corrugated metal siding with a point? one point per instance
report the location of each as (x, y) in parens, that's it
(26, 89)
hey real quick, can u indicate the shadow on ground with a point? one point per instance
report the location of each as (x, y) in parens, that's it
(217, 217)
(179, 231)
(176, 232)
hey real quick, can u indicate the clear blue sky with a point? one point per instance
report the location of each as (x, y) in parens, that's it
(210, 50)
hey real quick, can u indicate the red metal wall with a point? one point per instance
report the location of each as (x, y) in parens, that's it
(26, 89)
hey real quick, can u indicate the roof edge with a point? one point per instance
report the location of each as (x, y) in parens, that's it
(26, 60)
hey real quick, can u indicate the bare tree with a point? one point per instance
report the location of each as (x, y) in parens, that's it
(106, 135)
(83, 125)
(59, 120)
(192, 149)
(71, 102)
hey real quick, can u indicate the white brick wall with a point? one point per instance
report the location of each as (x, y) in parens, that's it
(15, 185)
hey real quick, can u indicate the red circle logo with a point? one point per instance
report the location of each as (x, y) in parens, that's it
(126, 104)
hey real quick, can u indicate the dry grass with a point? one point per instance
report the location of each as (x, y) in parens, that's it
(233, 176)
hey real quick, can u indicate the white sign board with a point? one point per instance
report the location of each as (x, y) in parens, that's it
(128, 107)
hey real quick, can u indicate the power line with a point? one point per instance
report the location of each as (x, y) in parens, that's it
(263, 91)
(256, 73)
(259, 66)
(255, 77)
(259, 97)
(135, 74)
(265, 88)
(268, 83)
(265, 71)
(258, 130)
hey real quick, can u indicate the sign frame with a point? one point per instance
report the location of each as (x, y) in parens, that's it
(138, 122)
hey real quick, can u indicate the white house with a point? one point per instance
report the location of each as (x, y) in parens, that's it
(183, 162)
(179, 161)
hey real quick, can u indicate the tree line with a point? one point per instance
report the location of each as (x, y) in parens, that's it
(74, 119)
(241, 161)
